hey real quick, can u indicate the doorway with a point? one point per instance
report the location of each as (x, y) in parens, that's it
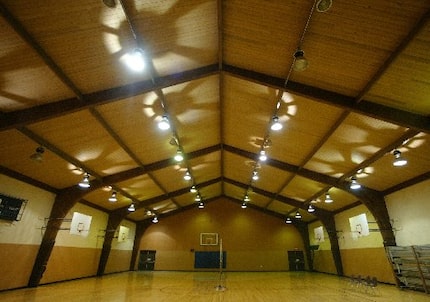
(146, 260)
(296, 260)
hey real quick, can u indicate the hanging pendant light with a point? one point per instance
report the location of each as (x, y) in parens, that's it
(164, 124)
(354, 185)
(300, 62)
(113, 197)
(399, 161)
(276, 125)
(179, 157)
(298, 215)
(328, 198)
(131, 208)
(85, 182)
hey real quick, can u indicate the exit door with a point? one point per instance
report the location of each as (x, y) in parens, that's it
(296, 260)
(146, 260)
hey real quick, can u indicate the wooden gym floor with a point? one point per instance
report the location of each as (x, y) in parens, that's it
(209, 286)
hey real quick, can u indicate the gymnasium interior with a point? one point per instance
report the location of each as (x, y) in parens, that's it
(188, 149)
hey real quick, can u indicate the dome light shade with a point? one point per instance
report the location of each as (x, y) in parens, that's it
(113, 198)
(399, 161)
(298, 215)
(288, 220)
(85, 182)
(164, 124)
(179, 157)
(263, 156)
(311, 209)
(201, 205)
(131, 208)
(328, 198)
(135, 60)
(354, 184)
(300, 62)
(276, 125)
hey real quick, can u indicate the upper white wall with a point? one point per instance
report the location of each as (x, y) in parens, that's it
(29, 229)
(409, 211)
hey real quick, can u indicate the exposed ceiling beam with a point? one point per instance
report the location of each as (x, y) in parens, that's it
(392, 115)
(35, 114)
(25, 35)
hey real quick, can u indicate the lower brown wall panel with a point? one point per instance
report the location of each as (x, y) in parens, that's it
(68, 263)
(119, 261)
(367, 262)
(323, 262)
(16, 263)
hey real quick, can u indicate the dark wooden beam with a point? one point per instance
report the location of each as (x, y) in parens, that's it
(392, 115)
(408, 183)
(141, 227)
(330, 226)
(25, 35)
(31, 115)
(114, 220)
(372, 199)
(63, 203)
(28, 180)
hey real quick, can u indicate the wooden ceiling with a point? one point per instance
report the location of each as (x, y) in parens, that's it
(220, 71)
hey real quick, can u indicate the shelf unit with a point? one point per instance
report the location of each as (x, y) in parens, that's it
(411, 266)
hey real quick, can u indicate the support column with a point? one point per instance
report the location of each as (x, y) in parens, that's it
(64, 202)
(140, 230)
(304, 232)
(114, 220)
(330, 226)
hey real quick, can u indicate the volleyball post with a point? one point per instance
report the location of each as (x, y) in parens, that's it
(220, 287)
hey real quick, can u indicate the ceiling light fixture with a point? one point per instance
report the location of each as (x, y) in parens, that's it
(85, 182)
(354, 185)
(298, 215)
(276, 125)
(113, 197)
(288, 220)
(399, 161)
(263, 156)
(135, 60)
(179, 157)
(164, 124)
(244, 206)
(38, 155)
(131, 208)
(255, 175)
(328, 198)
(246, 198)
(155, 219)
(311, 209)
(193, 189)
(201, 205)
(323, 5)
(187, 176)
(198, 198)
(300, 62)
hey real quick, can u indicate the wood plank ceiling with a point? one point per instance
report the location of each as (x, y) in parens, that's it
(220, 71)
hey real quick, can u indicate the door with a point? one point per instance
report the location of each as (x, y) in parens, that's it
(146, 260)
(296, 260)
